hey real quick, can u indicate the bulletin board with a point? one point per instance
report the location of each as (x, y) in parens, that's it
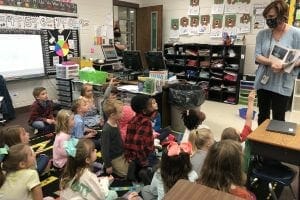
(59, 46)
(58, 34)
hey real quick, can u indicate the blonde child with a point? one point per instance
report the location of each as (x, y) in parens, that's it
(91, 117)
(201, 140)
(232, 133)
(112, 146)
(175, 164)
(80, 107)
(192, 119)
(222, 169)
(17, 178)
(41, 111)
(65, 123)
(16, 134)
(78, 182)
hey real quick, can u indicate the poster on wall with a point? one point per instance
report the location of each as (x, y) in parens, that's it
(31, 22)
(194, 8)
(259, 20)
(217, 7)
(243, 23)
(184, 26)
(204, 26)
(46, 22)
(174, 28)
(230, 24)
(244, 6)
(194, 25)
(231, 6)
(216, 26)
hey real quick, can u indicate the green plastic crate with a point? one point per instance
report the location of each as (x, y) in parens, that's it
(95, 77)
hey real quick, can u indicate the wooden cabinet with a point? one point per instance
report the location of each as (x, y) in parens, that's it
(296, 96)
(216, 68)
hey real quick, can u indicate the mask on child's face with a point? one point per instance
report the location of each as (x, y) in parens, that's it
(272, 22)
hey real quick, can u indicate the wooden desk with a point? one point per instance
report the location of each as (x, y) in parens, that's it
(277, 146)
(184, 189)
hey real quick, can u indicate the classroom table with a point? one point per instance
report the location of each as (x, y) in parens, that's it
(184, 189)
(277, 146)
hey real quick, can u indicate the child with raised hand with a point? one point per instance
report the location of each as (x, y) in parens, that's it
(201, 140)
(192, 119)
(234, 134)
(222, 169)
(18, 179)
(78, 182)
(41, 111)
(16, 134)
(175, 164)
(65, 123)
(112, 145)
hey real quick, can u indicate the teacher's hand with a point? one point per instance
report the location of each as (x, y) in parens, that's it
(277, 67)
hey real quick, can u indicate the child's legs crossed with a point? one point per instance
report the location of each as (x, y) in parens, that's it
(40, 125)
(120, 166)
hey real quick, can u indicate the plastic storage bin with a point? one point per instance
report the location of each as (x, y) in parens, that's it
(67, 70)
(95, 77)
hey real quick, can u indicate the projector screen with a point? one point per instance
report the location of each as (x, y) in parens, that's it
(21, 56)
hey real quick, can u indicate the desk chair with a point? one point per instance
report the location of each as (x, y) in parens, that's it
(2, 120)
(279, 173)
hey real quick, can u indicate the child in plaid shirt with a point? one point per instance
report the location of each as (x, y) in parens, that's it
(139, 145)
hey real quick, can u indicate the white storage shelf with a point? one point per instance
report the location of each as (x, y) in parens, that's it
(296, 96)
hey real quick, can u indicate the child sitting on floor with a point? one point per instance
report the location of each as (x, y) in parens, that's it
(78, 182)
(112, 148)
(41, 111)
(232, 133)
(12, 135)
(65, 123)
(222, 169)
(18, 178)
(175, 164)
(192, 119)
(80, 107)
(201, 140)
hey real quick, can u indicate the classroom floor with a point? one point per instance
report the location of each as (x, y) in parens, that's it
(218, 117)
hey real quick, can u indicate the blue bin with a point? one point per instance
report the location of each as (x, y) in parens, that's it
(243, 111)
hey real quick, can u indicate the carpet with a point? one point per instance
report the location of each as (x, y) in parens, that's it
(50, 180)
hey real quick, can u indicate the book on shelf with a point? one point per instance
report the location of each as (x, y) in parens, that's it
(288, 57)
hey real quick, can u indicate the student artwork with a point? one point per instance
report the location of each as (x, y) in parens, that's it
(231, 6)
(194, 25)
(259, 20)
(217, 7)
(174, 32)
(230, 21)
(244, 25)
(244, 6)
(194, 8)
(217, 29)
(184, 29)
(204, 26)
(230, 24)
(31, 22)
(46, 22)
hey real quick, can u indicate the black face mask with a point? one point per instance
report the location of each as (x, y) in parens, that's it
(272, 23)
(117, 34)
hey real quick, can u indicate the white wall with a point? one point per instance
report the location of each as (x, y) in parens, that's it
(95, 12)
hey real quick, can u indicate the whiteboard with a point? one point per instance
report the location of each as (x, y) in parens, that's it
(21, 56)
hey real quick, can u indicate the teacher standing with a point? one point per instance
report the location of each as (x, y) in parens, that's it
(273, 85)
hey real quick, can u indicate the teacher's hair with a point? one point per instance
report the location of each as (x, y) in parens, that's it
(281, 8)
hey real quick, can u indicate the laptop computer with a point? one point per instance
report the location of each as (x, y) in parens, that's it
(282, 127)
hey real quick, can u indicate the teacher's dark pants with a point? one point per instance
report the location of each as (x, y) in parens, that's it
(268, 100)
